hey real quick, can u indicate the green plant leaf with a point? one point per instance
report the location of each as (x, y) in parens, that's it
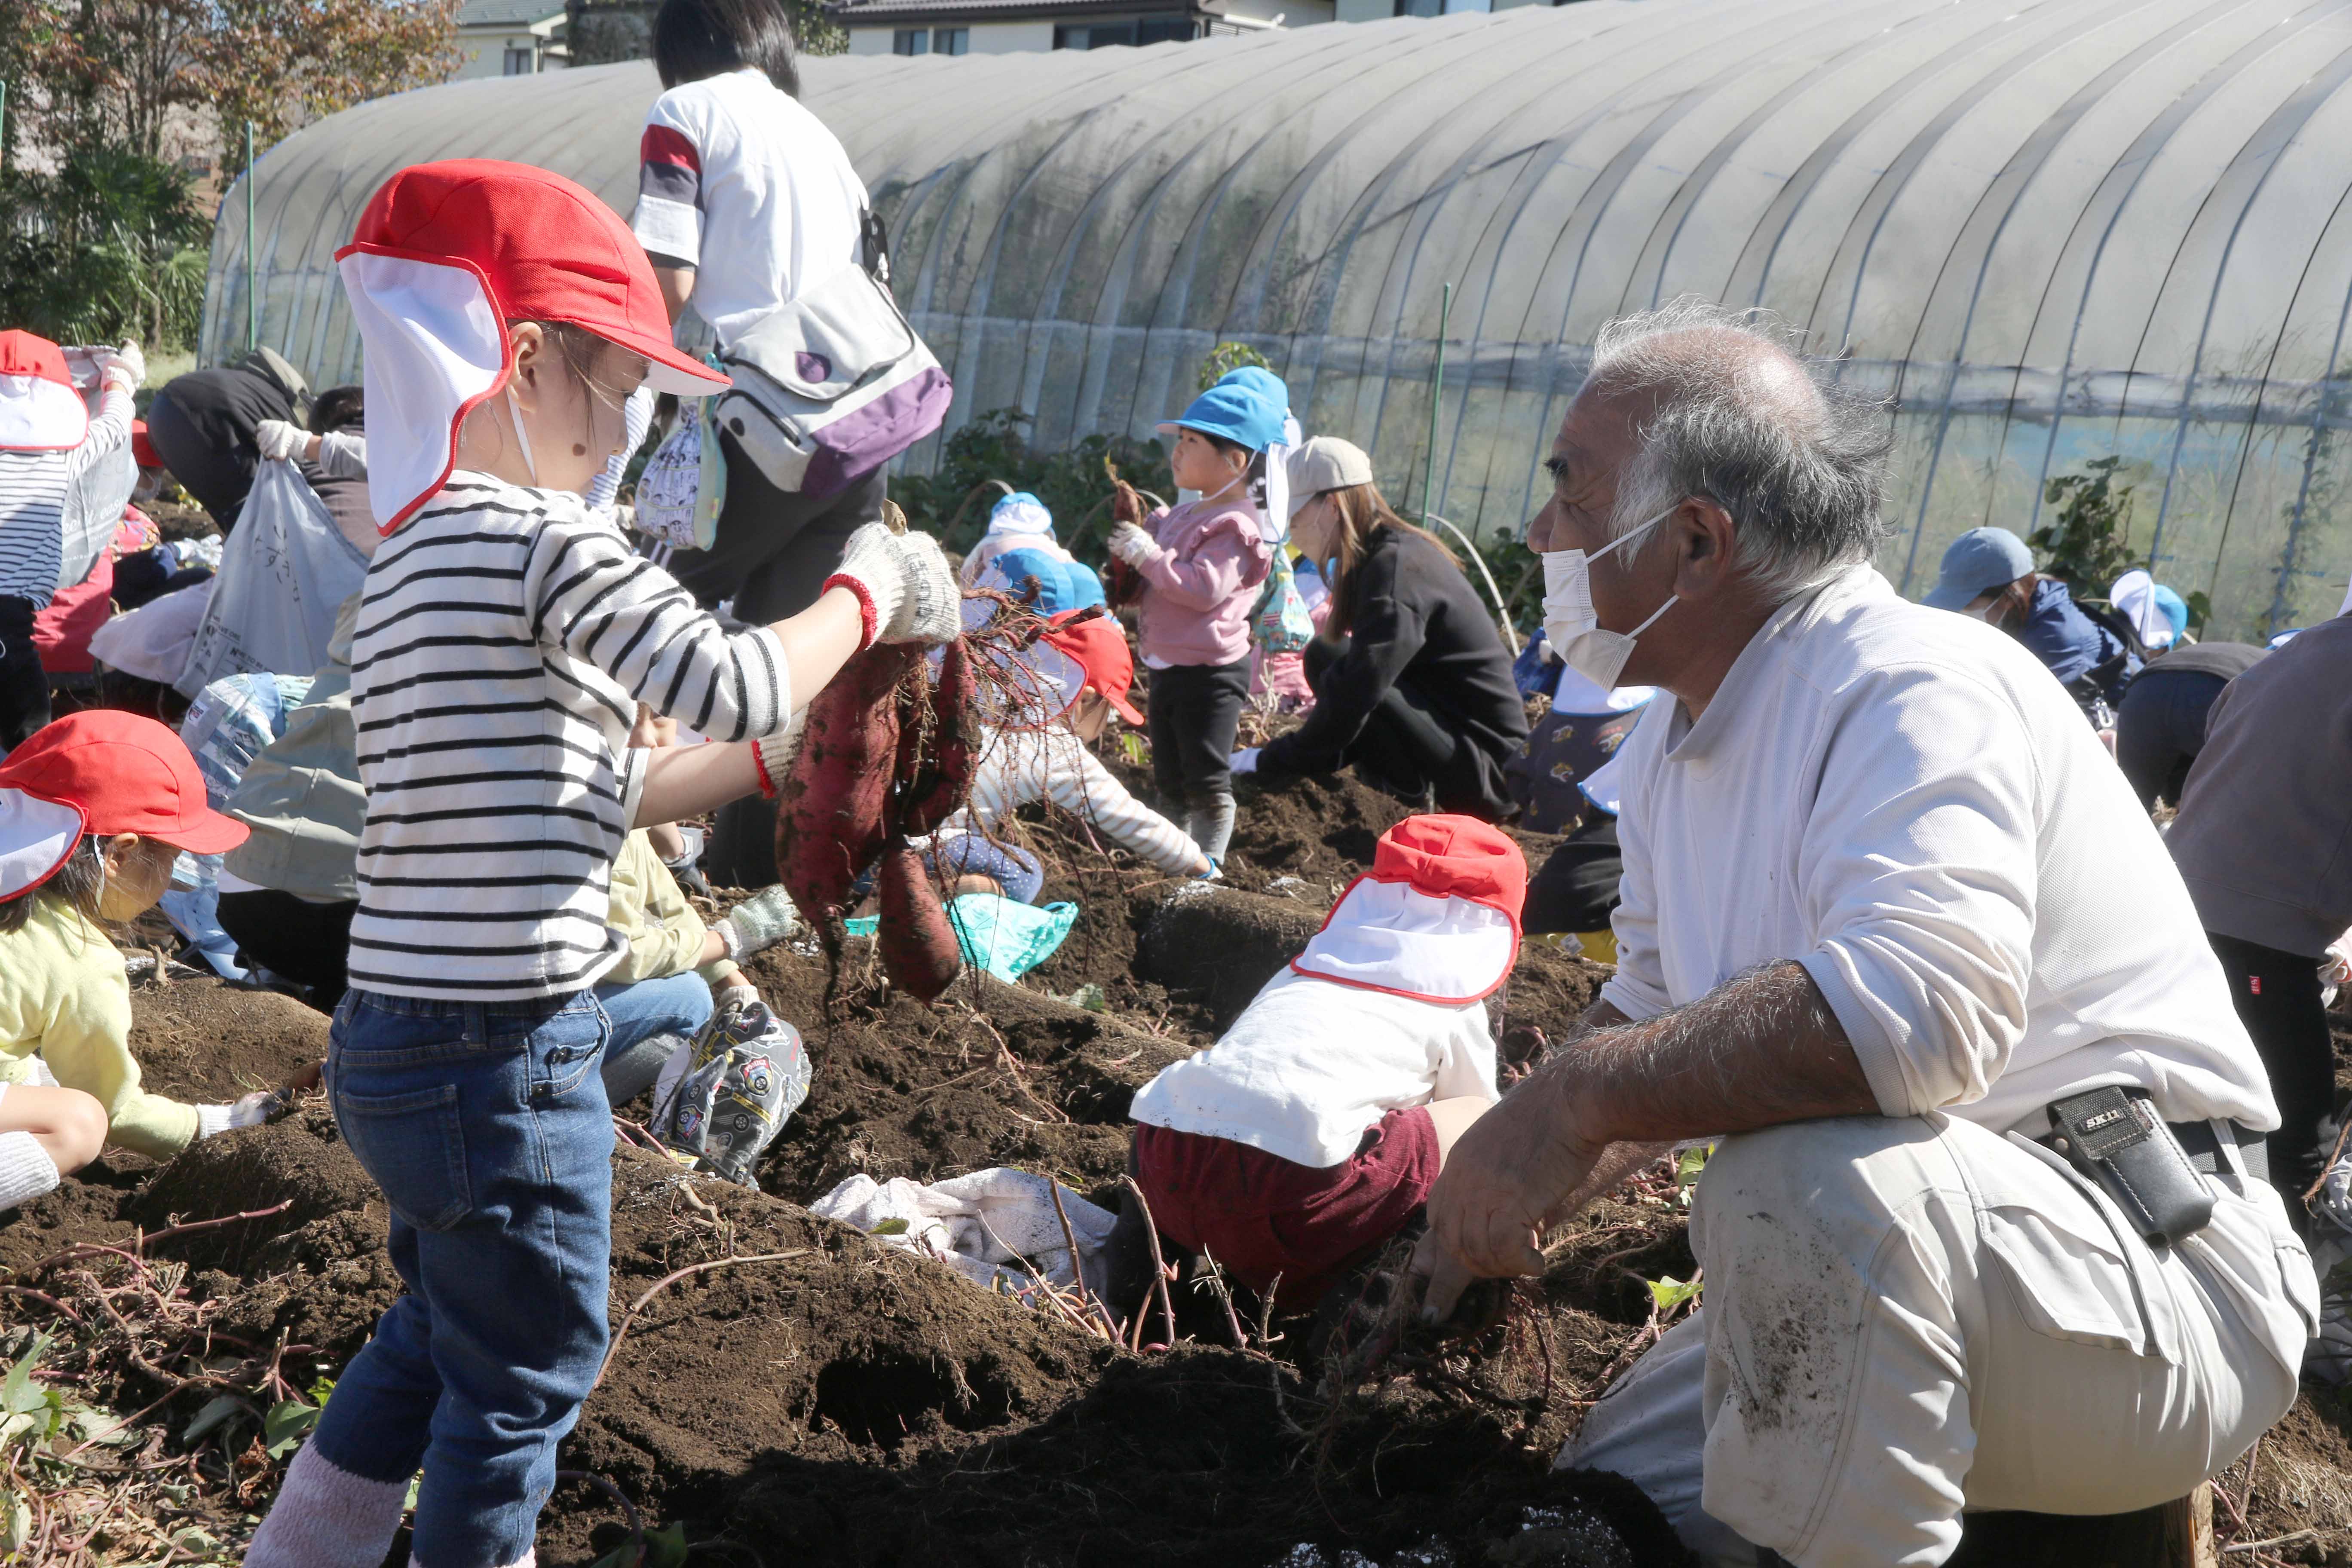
(19, 1394)
(321, 1390)
(217, 1412)
(890, 1228)
(1670, 1292)
(286, 1424)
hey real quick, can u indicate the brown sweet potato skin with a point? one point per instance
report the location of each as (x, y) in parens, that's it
(937, 781)
(831, 808)
(917, 943)
(1122, 583)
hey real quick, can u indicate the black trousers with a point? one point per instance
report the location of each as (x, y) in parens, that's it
(1576, 889)
(1408, 749)
(23, 684)
(771, 554)
(293, 938)
(1195, 711)
(2161, 728)
(2277, 997)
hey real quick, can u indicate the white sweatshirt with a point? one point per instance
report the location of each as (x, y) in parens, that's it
(1904, 801)
(1312, 1064)
(1018, 766)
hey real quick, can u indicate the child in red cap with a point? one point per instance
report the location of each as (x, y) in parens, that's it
(1310, 1133)
(1081, 671)
(47, 440)
(93, 810)
(504, 635)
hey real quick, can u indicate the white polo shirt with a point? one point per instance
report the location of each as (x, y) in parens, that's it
(737, 179)
(1905, 802)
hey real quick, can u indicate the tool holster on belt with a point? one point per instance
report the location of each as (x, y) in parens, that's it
(2154, 1170)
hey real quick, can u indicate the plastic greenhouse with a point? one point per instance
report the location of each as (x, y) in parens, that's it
(2048, 230)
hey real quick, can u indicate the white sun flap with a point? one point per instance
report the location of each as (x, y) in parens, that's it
(36, 836)
(40, 415)
(435, 346)
(1389, 937)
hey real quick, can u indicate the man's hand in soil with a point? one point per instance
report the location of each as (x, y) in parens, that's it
(1760, 1050)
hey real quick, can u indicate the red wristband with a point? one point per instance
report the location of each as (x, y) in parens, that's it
(864, 605)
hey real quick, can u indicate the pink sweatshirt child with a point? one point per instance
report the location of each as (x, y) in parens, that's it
(1204, 581)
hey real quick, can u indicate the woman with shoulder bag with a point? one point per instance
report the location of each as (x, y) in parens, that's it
(745, 201)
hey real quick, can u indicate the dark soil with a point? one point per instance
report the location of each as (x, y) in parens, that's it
(845, 1404)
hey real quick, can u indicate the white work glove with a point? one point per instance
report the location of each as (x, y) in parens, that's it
(1132, 544)
(909, 590)
(1244, 761)
(757, 923)
(126, 365)
(251, 1110)
(279, 442)
(775, 753)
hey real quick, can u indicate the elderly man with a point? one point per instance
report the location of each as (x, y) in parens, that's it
(1869, 938)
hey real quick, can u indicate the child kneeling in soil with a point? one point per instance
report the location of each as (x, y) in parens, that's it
(1310, 1133)
(1082, 669)
(503, 637)
(93, 810)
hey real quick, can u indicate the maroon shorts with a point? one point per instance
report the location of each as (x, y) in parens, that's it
(1260, 1214)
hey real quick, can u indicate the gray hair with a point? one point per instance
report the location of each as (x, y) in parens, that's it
(1745, 419)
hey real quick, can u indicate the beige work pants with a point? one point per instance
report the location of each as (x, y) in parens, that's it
(1906, 1319)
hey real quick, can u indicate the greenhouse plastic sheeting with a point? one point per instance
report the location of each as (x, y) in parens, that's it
(2045, 230)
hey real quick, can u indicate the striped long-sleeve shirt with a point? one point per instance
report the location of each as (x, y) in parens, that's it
(33, 490)
(502, 634)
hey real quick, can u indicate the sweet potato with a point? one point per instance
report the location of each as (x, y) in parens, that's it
(937, 781)
(917, 943)
(1122, 583)
(831, 808)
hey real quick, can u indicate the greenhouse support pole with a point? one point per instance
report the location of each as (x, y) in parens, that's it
(1436, 389)
(252, 270)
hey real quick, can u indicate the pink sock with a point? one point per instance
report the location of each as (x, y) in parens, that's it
(327, 1518)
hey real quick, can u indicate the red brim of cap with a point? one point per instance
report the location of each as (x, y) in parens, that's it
(666, 369)
(1124, 709)
(208, 832)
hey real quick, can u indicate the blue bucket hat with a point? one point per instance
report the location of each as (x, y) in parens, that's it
(1979, 560)
(1061, 584)
(1020, 512)
(1247, 406)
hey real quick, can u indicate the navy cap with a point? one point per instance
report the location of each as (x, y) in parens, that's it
(1979, 559)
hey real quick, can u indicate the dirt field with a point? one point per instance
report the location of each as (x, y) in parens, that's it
(829, 1402)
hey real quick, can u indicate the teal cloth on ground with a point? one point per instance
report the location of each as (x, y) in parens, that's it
(1007, 938)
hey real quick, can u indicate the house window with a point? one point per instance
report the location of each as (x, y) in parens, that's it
(521, 62)
(911, 41)
(950, 40)
(1162, 29)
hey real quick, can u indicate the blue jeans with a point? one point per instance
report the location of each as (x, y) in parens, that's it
(645, 1013)
(486, 1127)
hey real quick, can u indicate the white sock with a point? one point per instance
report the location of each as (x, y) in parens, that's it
(528, 1560)
(25, 1169)
(327, 1518)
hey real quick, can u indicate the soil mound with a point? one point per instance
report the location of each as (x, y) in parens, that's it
(205, 1041)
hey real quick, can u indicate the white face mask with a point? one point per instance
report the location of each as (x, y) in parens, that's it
(523, 436)
(1573, 626)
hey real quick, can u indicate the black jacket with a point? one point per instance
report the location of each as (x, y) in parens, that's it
(1418, 626)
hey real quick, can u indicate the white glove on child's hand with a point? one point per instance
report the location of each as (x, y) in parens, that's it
(253, 1110)
(1132, 544)
(1244, 761)
(279, 442)
(906, 585)
(126, 365)
(757, 923)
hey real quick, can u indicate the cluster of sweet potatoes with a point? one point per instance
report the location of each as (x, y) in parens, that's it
(886, 755)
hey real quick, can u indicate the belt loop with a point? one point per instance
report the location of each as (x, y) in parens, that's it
(2234, 1164)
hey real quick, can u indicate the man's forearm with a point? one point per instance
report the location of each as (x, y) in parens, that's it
(1760, 1049)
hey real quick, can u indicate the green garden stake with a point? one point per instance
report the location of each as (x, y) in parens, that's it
(252, 268)
(1436, 389)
